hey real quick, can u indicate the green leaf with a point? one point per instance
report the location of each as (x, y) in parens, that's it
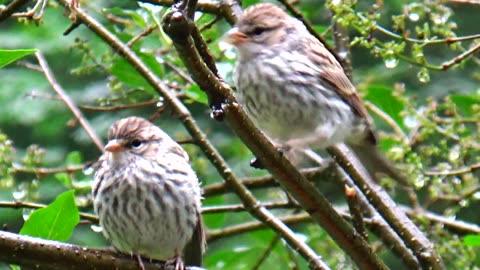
(472, 240)
(196, 94)
(126, 73)
(320, 28)
(74, 158)
(387, 143)
(9, 56)
(216, 220)
(54, 222)
(120, 12)
(465, 103)
(64, 178)
(383, 98)
(247, 3)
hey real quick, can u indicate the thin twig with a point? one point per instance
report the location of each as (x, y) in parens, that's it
(45, 171)
(119, 107)
(252, 226)
(470, 2)
(68, 101)
(355, 211)
(268, 250)
(453, 199)
(179, 72)
(29, 205)
(458, 226)
(210, 24)
(241, 207)
(389, 120)
(461, 57)
(144, 33)
(7, 11)
(39, 5)
(459, 171)
(254, 182)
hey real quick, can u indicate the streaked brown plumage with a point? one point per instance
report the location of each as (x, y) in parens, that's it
(296, 91)
(147, 196)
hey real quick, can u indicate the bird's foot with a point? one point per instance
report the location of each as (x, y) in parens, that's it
(175, 264)
(140, 263)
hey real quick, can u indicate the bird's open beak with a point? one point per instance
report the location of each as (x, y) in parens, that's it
(114, 146)
(235, 37)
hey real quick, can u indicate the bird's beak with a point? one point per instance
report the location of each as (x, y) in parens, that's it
(114, 146)
(235, 37)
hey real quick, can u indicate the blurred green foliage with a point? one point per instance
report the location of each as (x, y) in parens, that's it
(437, 113)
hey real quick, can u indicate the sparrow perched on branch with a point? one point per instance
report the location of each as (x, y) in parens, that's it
(296, 91)
(147, 196)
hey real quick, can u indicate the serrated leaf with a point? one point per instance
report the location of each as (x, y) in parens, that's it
(383, 98)
(54, 222)
(9, 56)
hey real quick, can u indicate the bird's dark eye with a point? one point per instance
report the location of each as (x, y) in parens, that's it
(258, 30)
(135, 143)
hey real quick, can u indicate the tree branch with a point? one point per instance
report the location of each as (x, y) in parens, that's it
(200, 138)
(396, 218)
(6, 12)
(176, 25)
(229, 9)
(37, 253)
(68, 101)
(257, 182)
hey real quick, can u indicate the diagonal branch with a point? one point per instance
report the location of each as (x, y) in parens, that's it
(7, 11)
(260, 182)
(422, 248)
(177, 27)
(211, 153)
(68, 101)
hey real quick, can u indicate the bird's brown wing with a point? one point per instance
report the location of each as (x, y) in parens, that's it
(333, 74)
(193, 252)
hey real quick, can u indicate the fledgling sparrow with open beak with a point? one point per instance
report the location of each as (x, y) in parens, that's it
(147, 196)
(296, 91)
